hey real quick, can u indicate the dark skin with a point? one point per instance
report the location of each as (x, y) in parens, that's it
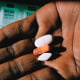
(21, 36)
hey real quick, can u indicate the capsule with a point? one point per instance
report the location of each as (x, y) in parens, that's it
(41, 50)
(44, 40)
(44, 57)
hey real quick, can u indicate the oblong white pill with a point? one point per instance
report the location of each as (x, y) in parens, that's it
(44, 40)
(44, 56)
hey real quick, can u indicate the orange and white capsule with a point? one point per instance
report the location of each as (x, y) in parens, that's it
(41, 50)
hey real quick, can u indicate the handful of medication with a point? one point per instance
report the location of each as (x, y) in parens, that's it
(43, 47)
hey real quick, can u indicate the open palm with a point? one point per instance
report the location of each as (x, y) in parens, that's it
(17, 41)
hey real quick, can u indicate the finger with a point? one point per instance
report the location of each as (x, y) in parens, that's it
(46, 18)
(17, 67)
(15, 50)
(18, 30)
(43, 74)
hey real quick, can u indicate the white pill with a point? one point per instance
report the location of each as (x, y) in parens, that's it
(44, 56)
(44, 40)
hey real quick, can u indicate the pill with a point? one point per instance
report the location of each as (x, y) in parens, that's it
(41, 50)
(44, 56)
(44, 40)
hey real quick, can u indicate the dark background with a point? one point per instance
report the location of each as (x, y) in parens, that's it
(33, 2)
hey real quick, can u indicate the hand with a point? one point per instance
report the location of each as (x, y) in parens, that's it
(16, 41)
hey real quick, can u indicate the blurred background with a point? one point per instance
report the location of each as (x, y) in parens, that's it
(13, 10)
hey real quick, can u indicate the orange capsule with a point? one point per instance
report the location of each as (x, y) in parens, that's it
(41, 50)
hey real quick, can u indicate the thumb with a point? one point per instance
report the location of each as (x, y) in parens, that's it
(46, 18)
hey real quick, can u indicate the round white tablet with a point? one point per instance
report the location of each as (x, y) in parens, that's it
(44, 40)
(44, 56)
